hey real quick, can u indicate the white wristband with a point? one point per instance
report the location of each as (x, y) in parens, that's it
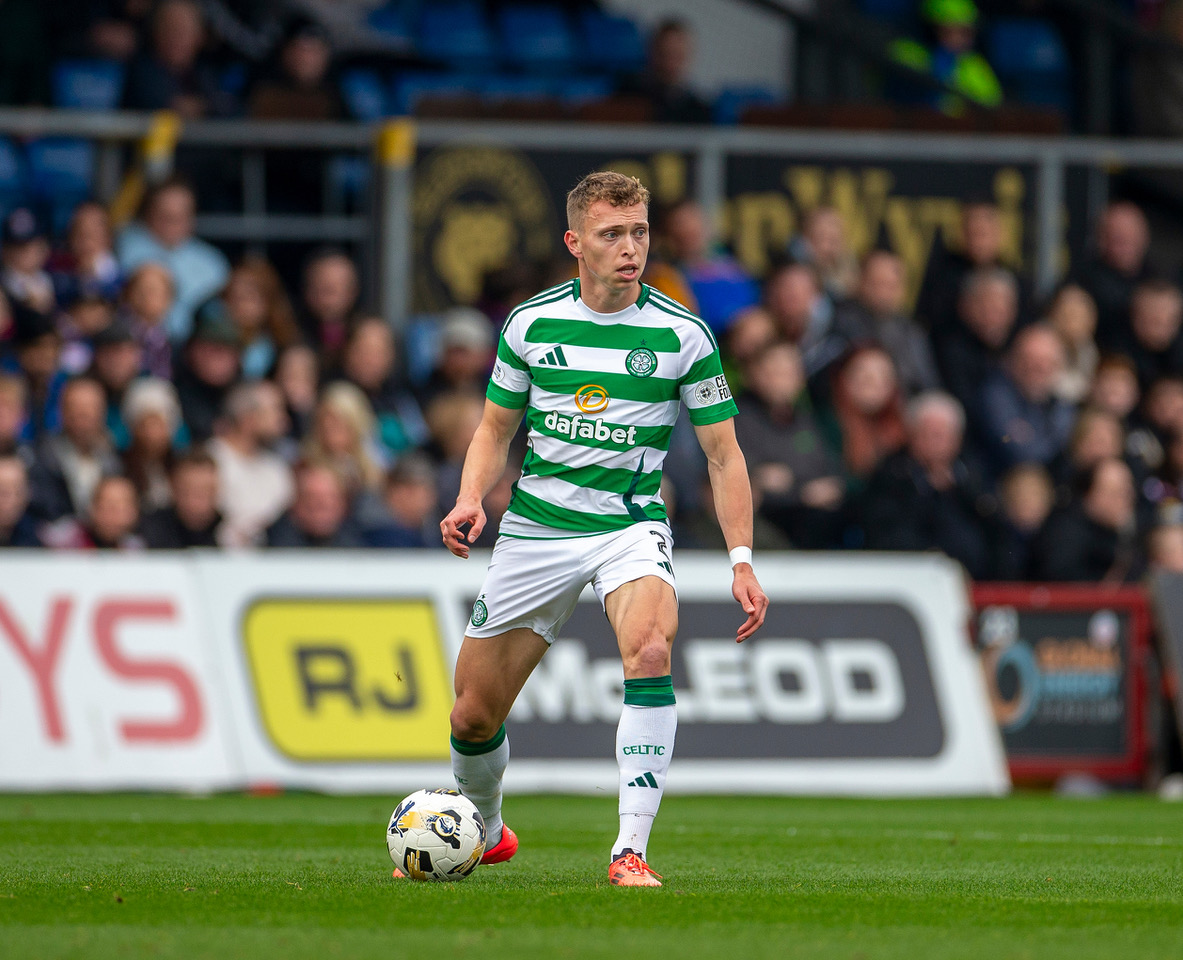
(741, 555)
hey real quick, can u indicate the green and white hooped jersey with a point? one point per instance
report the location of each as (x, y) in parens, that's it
(602, 394)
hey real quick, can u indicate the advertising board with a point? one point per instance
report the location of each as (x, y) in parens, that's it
(333, 672)
(1065, 666)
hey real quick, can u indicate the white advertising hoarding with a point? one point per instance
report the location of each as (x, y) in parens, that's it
(332, 671)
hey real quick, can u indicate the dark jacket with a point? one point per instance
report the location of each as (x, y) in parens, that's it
(940, 293)
(1016, 430)
(1073, 547)
(965, 363)
(162, 530)
(901, 510)
(285, 533)
(1112, 292)
(24, 534)
(201, 404)
(50, 492)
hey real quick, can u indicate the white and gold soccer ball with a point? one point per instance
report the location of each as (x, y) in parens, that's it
(436, 835)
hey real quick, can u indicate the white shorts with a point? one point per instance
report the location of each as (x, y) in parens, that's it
(536, 583)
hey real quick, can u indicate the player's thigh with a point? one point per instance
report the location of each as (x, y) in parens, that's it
(644, 616)
(490, 673)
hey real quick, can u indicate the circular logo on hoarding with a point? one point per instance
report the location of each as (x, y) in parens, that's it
(641, 362)
(591, 398)
(480, 613)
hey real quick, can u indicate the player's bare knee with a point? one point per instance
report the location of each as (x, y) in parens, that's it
(471, 723)
(651, 657)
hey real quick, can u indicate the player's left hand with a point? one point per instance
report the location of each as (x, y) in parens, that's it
(746, 590)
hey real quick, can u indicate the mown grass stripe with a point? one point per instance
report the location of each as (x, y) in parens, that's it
(608, 336)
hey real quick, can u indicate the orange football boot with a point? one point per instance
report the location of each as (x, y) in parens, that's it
(629, 870)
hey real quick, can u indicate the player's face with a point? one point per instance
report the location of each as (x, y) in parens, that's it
(613, 244)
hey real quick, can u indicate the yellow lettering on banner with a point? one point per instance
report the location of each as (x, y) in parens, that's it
(349, 679)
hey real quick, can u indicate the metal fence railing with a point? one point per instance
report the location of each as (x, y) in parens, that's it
(384, 221)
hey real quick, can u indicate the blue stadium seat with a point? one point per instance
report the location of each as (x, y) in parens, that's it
(348, 180)
(578, 90)
(514, 87)
(732, 101)
(14, 177)
(364, 94)
(233, 78)
(409, 88)
(611, 43)
(87, 84)
(390, 22)
(1031, 61)
(60, 170)
(899, 13)
(457, 34)
(536, 38)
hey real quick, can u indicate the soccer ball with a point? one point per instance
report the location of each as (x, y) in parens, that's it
(436, 835)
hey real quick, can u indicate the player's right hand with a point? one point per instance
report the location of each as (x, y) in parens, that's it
(466, 512)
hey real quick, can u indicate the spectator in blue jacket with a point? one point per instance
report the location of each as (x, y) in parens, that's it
(1021, 418)
(164, 235)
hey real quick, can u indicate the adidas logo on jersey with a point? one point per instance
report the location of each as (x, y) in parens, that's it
(645, 780)
(554, 358)
(586, 429)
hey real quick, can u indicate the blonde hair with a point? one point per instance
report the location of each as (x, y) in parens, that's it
(618, 189)
(350, 404)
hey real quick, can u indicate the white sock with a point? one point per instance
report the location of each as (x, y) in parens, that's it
(478, 769)
(644, 745)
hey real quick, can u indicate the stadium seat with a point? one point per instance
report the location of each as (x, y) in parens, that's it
(457, 34)
(14, 179)
(1031, 61)
(899, 13)
(733, 101)
(514, 87)
(348, 179)
(574, 91)
(409, 88)
(364, 95)
(60, 170)
(233, 79)
(87, 84)
(390, 22)
(611, 43)
(536, 38)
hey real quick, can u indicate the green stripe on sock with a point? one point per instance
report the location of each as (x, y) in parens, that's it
(649, 780)
(649, 692)
(469, 749)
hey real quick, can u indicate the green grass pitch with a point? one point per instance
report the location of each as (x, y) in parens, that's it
(301, 875)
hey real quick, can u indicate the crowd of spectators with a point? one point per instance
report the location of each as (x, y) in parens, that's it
(154, 395)
(1027, 439)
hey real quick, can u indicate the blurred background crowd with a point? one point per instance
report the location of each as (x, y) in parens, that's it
(157, 391)
(154, 394)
